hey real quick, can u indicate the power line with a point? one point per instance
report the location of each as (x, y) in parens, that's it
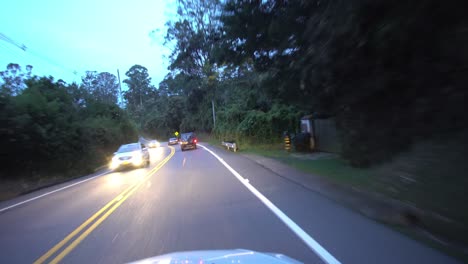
(36, 54)
(15, 55)
(9, 40)
(12, 52)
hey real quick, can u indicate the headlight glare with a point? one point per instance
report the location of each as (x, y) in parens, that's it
(113, 164)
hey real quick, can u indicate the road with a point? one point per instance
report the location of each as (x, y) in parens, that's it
(191, 201)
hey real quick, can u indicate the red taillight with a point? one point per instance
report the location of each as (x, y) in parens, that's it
(195, 140)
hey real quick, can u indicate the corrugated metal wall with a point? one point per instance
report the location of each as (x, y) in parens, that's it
(326, 135)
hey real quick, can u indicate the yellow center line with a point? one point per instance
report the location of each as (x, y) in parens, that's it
(117, 201)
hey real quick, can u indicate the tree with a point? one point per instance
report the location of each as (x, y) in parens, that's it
(140, 91)
(89, 80)
(103, 86)
(52, 127)
(268, 37)
(107, 87)
(14, 77)
(379, 68)
(195, 34)
(193, 72)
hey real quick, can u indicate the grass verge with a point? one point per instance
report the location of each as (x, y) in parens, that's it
(327, 166)
(334, 169)
(427, 189)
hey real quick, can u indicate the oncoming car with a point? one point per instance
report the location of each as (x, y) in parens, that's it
(153, 143)
(130, 155)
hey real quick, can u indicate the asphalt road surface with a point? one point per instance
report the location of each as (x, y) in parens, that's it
(192, 201)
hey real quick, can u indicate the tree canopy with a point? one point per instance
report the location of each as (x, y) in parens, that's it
(390, 74)
(13, 78)
(49, 127)
(104, 86)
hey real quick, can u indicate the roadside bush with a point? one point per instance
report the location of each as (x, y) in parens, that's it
(256, 124)
(45, 132)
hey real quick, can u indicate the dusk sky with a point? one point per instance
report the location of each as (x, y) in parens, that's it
(62, 37)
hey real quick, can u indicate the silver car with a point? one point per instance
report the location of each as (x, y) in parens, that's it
(130, 155)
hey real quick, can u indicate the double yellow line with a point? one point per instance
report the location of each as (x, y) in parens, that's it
(114, 204)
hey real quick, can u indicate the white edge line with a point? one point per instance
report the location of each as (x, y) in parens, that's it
(51, 192)
(308, 240)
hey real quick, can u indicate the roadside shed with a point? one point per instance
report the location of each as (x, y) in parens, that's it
(323, 133)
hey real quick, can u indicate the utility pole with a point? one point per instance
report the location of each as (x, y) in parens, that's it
(214, 115)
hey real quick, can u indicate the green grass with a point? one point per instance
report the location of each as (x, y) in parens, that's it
(209, 138)
(267, 150)
(204, 137)
(213, 141)
(446, 193)
(333, 169)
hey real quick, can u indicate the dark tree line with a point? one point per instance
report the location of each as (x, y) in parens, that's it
(390, 73)
(53, 128)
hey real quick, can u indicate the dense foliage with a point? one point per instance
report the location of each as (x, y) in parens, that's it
(390, 73)
(51, 128)
(198, 82)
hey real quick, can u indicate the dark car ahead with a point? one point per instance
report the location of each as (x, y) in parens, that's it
(188, 141)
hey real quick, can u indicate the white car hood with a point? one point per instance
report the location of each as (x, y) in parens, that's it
(219, 257)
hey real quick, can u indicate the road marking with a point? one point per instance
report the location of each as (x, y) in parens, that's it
(51, 192)
(308, 240)
(116, 202)
(88, 231)
(115, 237)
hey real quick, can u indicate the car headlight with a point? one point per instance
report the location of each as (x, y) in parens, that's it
(114, 164)
(137, 159)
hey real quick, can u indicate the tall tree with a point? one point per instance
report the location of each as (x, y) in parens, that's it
(107, 87)
(139, 90)
(89, 80)
(14, 77)
(267, 36)
(193, 36)
(103, 86)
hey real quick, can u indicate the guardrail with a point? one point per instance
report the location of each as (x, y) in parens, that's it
(230, 145)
